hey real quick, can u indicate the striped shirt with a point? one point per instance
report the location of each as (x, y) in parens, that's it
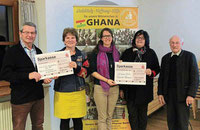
(31, 53)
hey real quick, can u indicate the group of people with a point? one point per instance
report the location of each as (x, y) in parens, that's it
(177, 86)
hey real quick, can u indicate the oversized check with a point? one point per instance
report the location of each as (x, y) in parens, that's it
(131, 73)
(54, 64)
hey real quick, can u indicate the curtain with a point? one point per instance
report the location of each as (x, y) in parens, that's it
(28, 13)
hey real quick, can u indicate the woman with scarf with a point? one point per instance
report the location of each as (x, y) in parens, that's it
(138, 96)
(106, 91)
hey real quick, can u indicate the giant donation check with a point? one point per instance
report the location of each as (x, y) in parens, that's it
(54, 64)
(131, 73)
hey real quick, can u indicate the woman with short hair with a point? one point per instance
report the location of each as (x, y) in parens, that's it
(69, 98)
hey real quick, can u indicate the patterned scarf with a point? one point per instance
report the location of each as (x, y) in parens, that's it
(139, 53)
(103, 63)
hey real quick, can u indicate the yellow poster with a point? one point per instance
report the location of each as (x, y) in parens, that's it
(88, 17)
(119, 121)
(117, 124)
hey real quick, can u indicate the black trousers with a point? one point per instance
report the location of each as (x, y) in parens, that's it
(78, 125)
(177, 112)
(137, 115)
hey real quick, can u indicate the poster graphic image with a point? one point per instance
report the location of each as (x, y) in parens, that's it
(87, 37)
(88, 17)
(123, 36)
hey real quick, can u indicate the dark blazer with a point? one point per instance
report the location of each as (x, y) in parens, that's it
(93, 65)
(141, 94)
(16, 68)
(187, 75)
(73, 82)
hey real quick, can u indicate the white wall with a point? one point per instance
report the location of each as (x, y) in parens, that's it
(59, 15)
(164, 18)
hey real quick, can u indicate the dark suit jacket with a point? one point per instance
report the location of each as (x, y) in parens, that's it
(187, 76)
(16, 68)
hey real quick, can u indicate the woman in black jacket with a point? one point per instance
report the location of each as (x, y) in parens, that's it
(138, 96)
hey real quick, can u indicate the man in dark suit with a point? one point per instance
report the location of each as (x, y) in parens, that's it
(177, 84)
(19, 68)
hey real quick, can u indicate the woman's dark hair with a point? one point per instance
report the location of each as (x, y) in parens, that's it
(71, 31)
(100, 36)
(146, 37)
(105, 29)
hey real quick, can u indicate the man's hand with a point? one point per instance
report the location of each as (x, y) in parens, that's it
(189, 100)
(161, 99)
(34, 75)
(47, 81)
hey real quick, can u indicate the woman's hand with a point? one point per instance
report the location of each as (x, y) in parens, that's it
(111, 82)
(73, 64)
(148, 72)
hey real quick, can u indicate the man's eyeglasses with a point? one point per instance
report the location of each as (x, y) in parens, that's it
(32, 33)
(107, 36)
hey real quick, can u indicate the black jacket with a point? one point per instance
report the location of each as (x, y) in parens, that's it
(72, 82)
(93, 65)
(16, 68)
(141, 94)
(187, 75)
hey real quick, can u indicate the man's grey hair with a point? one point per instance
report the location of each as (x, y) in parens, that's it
(181, 39)
(29, 24)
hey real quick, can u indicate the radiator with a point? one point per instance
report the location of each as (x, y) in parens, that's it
(5, 116)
